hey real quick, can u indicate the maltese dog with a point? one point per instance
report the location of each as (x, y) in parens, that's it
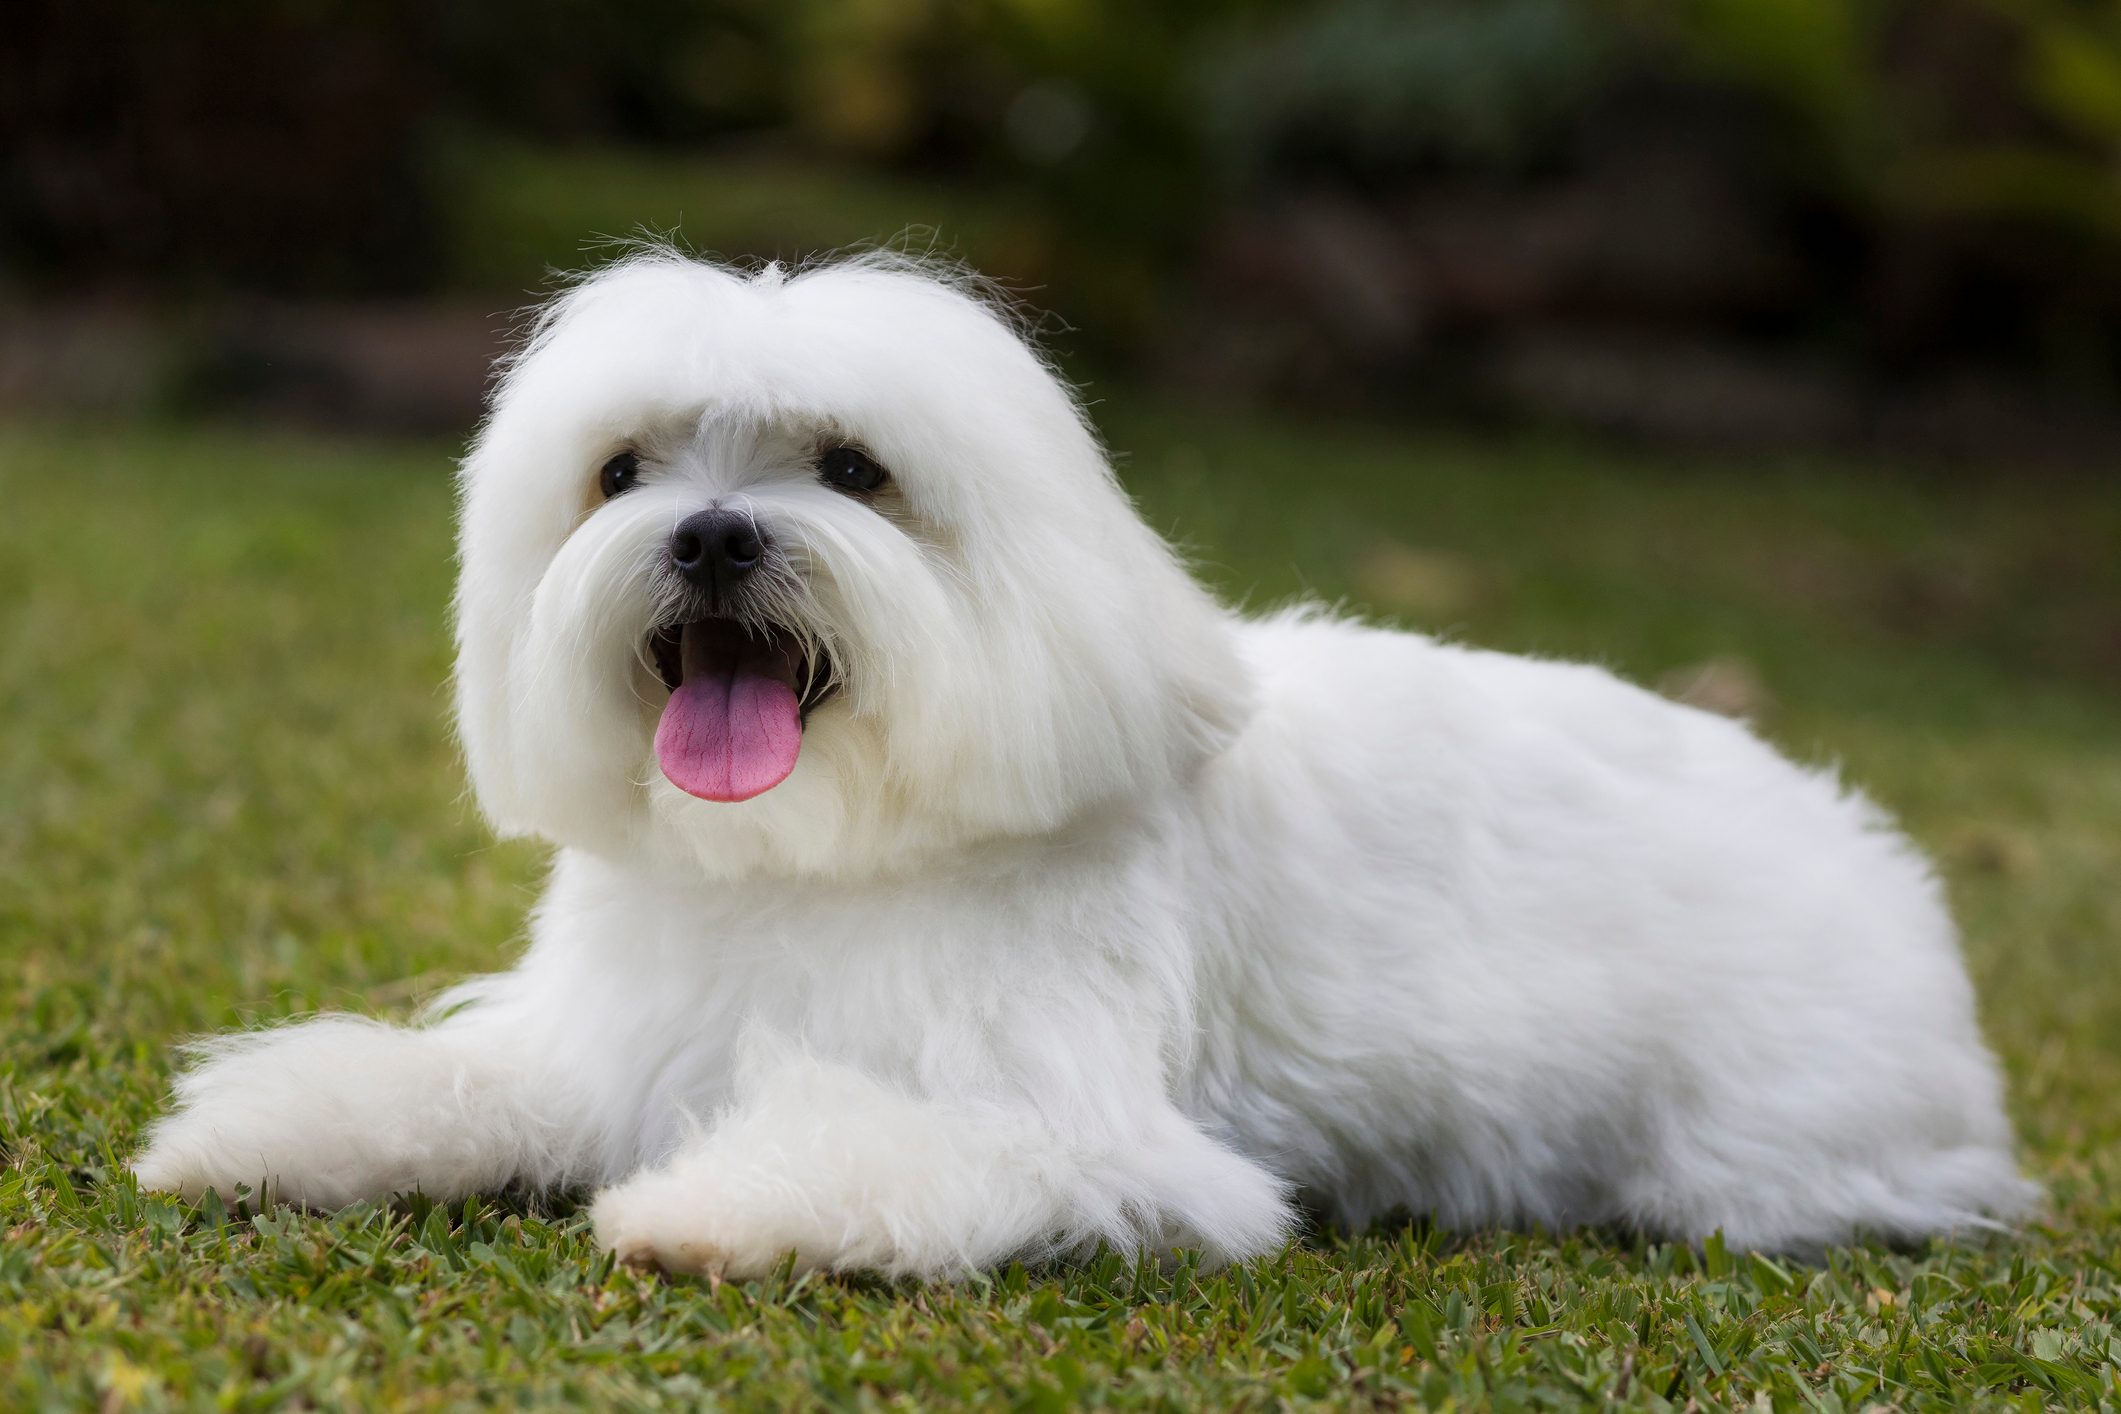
(942, 876)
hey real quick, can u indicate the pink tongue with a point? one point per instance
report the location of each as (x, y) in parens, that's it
(732, 729)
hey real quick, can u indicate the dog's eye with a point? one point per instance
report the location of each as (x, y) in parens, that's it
(851, 470)
(619, 474)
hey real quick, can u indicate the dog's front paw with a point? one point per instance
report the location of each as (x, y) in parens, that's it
(183, 1157)
(662, 1222)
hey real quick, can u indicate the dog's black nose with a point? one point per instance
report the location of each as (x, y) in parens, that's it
(716, 549)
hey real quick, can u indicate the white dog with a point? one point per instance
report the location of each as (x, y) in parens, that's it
(943, 876)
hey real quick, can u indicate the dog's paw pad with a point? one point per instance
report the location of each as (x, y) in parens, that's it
(641, 1257)
(649, 1237)
(673, 1259)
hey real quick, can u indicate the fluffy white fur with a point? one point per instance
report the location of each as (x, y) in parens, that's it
(1092, 912)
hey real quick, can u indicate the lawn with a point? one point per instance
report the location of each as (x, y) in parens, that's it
(228, 795)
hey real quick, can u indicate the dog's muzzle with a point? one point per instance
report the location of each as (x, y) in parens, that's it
(715, 551)
(741, 686)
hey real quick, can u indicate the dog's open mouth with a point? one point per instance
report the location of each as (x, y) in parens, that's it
(739, 696)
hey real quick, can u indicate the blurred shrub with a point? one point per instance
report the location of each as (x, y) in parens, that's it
(611, 72)
(1385, 89)
(517, 210)
(1970, 150)
(1892, 180)
(1895, 97)
(2068, 70)
(236, 143)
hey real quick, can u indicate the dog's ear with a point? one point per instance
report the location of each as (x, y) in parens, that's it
(1210, 689)
(527, 722)
(1195, 685)
(1098, 669)
(483, 727)
(485, 641)
(517, 499)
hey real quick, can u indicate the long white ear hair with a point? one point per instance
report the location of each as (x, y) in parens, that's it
(1107, 668)
(520, 492)
(487, 644)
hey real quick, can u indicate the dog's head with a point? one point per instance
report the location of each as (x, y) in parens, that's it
(810, 574)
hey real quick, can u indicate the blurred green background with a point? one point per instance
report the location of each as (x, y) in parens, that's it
(1872, 223)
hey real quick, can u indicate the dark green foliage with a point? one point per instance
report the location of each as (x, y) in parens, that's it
(1391, 89)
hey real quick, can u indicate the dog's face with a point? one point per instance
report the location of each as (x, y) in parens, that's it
(814, 575)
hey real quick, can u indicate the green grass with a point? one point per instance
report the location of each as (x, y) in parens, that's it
(227, 795)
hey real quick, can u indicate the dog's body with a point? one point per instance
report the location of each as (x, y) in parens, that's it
(1089, 912)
